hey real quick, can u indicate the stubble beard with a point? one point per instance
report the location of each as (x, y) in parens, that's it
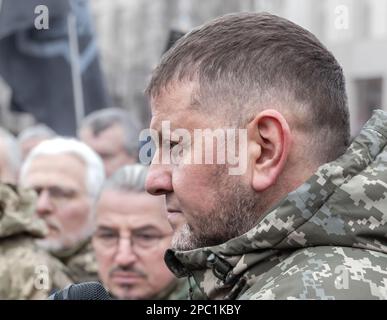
(235, 212)
(65, 241)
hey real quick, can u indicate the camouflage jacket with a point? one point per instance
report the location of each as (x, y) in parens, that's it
(26, 272)
(178, 291)
(81, 262)
(325, 240)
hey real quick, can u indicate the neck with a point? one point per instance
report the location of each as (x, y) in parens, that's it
(69, 251)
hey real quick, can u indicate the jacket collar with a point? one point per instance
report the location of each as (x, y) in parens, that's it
(314, 214)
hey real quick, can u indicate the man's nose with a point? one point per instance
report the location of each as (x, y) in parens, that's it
(159, 180)
(125, 255)
(44, 204)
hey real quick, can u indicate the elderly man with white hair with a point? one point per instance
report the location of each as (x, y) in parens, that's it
(10, 157)
(67, 176)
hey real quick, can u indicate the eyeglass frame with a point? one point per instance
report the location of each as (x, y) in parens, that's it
(133, 244)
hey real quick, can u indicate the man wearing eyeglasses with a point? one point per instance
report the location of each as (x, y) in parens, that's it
(130, 239)
(67, 175)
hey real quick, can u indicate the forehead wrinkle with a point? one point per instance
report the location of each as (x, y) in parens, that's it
(45, 168)
(182, 108)
(177, 92)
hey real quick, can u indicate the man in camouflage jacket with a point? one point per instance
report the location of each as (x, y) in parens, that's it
(305, 214)
(80, 260)
(26, 271)
(67, 176)
(326, 240)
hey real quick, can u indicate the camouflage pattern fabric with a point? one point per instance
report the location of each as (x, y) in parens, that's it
(26, 272)
(180, 290)
(81, 262)
(325, 240)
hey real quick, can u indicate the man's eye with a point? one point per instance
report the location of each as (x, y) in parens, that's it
(146, 236)
(38, 190)
(64, 194)
(173, 144)
(57, 192)
(107, 236)
(106, 156)
(168, 144)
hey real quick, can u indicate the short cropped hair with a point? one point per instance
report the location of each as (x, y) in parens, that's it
(244, 63)
(95, 174)
(100, 120)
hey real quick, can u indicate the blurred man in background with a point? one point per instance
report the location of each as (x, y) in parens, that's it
(113, 135)
(30, 137)
(131, 237)
(26, 271)
(10, 158)
(68, 176)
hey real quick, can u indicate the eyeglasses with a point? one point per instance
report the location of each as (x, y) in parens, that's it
(111, 240)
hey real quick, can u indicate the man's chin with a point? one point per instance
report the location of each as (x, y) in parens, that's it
(176, 220)
(182, 239)
(128, 293)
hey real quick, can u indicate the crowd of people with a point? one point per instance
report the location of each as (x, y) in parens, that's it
(76, 210)
(305, 220)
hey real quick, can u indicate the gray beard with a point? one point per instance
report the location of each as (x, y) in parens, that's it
(236, 212)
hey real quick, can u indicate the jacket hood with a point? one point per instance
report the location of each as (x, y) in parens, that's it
(17, 208)
(344, 203)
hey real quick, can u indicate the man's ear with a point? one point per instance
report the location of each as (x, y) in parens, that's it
(270, 140)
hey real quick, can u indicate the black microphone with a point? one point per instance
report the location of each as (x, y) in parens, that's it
(82, 291)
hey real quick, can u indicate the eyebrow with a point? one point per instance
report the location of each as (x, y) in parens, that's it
(141, 229)
(148, 228)
(105, 228)
(67, 189)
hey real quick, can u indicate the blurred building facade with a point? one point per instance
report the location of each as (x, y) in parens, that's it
(133, 34)
(356, 32)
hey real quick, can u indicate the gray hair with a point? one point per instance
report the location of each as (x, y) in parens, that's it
(12, 149)
(101, 120)
(243, 62)
(95, 175)
(128, 178)
(39, 131)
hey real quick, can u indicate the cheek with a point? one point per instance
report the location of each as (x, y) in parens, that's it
(194, 187)
(158, 273)
(117, 162)
(105, 262)
(74, 215)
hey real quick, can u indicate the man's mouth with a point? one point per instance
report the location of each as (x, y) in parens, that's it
(121, 277)
(173, 214)
(52, 228)
(174, 211)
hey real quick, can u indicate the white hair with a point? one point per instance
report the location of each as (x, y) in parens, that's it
(39, 131)
(95, 176)
(12, 150)
(128, 178)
